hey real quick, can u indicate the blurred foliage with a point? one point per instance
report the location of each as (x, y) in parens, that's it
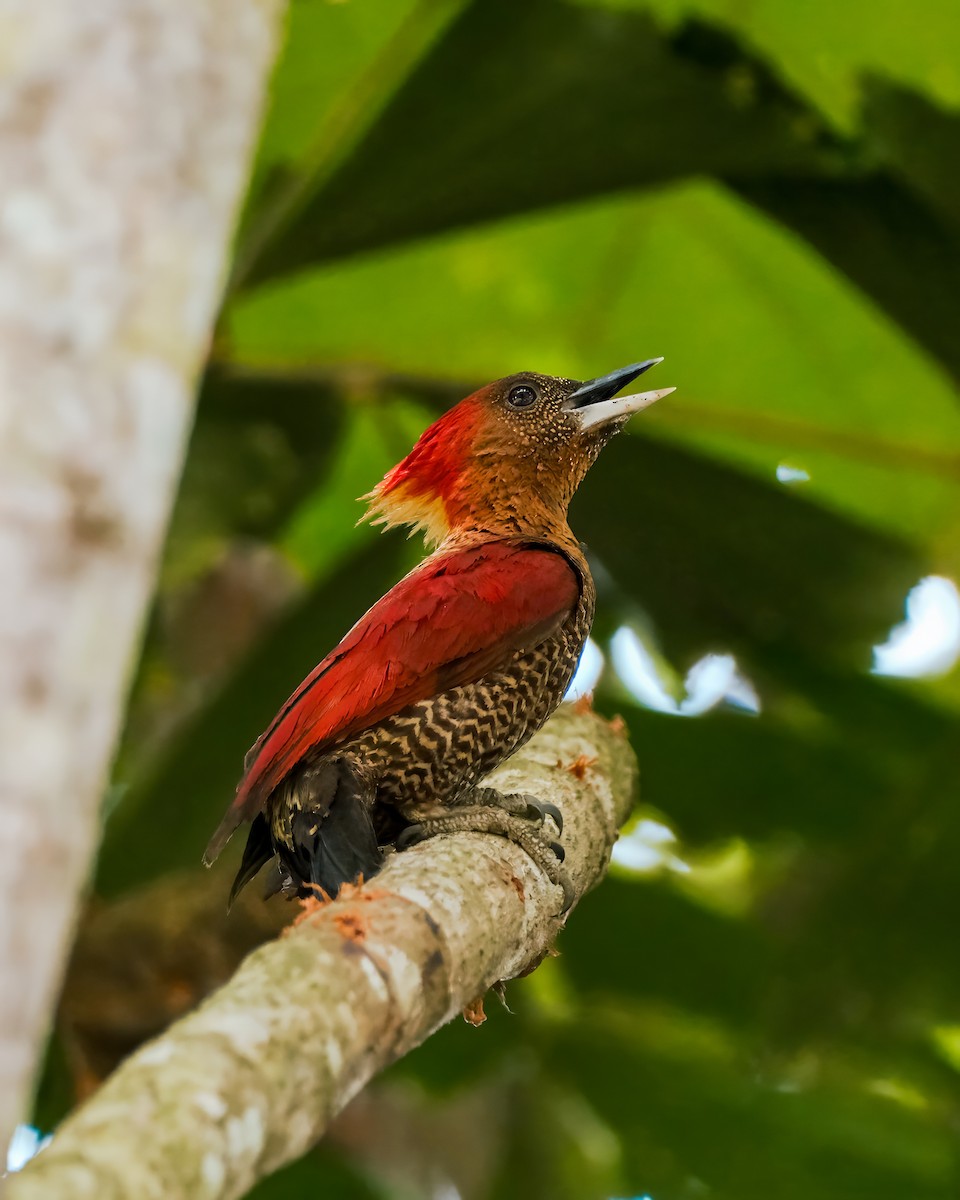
(768, 194)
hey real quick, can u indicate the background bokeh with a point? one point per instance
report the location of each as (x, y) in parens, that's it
(763, 1000)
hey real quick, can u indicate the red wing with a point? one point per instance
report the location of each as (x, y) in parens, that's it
(445, 624)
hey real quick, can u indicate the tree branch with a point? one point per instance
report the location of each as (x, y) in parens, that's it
(252, 1078)
(125, 135)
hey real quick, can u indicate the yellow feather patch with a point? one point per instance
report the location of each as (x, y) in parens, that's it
(403, 506)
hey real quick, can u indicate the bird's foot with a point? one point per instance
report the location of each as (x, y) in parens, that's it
(517, 817)
(517, 804)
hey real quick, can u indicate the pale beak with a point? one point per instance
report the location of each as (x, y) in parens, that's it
(597, 403)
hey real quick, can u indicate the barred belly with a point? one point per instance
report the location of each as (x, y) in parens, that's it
(432, 752)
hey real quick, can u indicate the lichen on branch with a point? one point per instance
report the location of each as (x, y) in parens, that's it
(252, 1078)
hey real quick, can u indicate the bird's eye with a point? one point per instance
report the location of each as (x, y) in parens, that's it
(522, 396)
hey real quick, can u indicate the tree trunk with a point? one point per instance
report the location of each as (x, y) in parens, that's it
(252, 1078)
(126, 127)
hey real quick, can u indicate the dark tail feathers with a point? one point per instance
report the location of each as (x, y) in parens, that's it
(329, 838)
(256, 854)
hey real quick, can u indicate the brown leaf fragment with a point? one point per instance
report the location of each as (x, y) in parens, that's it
(473, 1014)
(351, 925)
(361, 891)
(309, 906)
(580, 765)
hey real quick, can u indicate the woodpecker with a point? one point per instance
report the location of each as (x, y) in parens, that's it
(387, 741)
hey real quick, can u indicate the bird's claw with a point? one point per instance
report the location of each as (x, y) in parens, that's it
(569, 892)
(411, 836)
(539, 810)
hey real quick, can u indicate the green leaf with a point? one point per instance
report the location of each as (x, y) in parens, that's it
(377, 435)
(590, 90)
(727, 775)
(918, 142)
(339, 65)
(891, 244)
(646, 941)
(775, 356)
(823, 52)
(698, 1114)
(258, 447)
(328, 51)
(766, 574)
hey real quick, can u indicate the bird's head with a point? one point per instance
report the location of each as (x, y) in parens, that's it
(510, 456)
